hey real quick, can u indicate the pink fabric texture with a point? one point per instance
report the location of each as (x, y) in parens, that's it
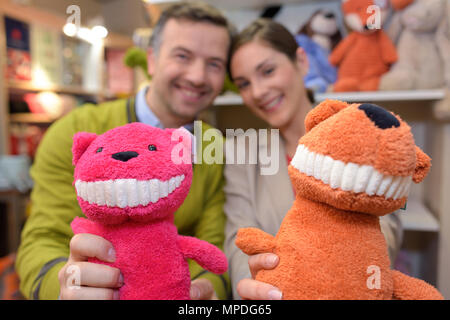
(129, 182)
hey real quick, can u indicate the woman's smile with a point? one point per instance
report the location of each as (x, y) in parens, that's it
(272, 104)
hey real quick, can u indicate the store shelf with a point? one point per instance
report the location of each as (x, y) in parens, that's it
(417, 217)
(17, 86)
(374, 96)
(228, 99)
(231, 99)
(31, 118)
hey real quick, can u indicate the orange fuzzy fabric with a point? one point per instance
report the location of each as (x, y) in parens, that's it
(400, 4)
(330, 243)
(363, 56)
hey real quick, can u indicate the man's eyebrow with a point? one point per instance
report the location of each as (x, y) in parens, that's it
(180, 48)
(218, 59)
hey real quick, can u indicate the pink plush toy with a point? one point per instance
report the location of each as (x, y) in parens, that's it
(129, 182)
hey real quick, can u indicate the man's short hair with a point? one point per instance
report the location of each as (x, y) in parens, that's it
(194, 11)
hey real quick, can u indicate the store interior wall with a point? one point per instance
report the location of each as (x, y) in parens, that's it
(119, 16)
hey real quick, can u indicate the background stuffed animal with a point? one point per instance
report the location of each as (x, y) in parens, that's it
(317, 37)
(129, 183)
(355, 163)
(421, 61)
(367, 52)
(442, 108)
(443, 40)
(321, 73)
(323, 29)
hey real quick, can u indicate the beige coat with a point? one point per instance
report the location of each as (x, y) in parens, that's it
(261, 201)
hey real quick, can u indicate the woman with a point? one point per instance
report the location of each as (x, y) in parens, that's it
(267, 66)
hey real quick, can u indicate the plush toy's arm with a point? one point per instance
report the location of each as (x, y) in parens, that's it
(253, 241)
(388, 50)
(83, 225)
(341, 49)
(207, 255)
(408, 288)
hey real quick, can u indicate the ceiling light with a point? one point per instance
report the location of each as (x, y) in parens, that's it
(85, 34)
(99, 32)
(70, 29)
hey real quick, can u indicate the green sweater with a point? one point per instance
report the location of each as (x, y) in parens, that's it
(44, 247)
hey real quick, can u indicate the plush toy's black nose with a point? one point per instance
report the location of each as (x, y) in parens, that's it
(382, 118)
(329, 15)
(125, 156)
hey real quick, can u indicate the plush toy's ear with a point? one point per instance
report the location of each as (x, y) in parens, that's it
(423, 165)
(322, 112)
(81, 141)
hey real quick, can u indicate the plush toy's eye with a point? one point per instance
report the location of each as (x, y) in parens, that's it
(152, 147)
(99, 150)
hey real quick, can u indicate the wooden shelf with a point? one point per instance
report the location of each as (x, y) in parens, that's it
(228, 99)
(417, 217)
(231, 99)
(20, 86)
(374, 96)
(31, 118)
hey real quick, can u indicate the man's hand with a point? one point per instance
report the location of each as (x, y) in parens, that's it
(256, 290)
(82, 280)
(202, 289)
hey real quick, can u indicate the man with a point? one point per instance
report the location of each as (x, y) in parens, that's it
(187, 61)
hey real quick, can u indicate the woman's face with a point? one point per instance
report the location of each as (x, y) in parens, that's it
(270, 84)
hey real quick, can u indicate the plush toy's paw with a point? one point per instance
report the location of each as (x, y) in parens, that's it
(346, 85)
(408, 288)
(253, 241)
(371, 84)
(207, 255)
(397, 79)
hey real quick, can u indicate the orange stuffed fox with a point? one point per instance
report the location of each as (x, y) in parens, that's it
(366, 53)
(355, 163)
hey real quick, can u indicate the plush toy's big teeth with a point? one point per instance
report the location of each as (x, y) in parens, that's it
(350, 176)
(126, 192)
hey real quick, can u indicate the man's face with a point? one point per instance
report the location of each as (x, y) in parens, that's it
(189, 70)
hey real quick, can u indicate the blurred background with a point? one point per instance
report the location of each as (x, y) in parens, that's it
(59, 55)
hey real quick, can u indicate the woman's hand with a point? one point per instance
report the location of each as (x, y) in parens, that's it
(256, 290)
(83, 280)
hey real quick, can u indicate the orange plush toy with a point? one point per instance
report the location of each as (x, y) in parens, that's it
(367, 52)
(355, 163)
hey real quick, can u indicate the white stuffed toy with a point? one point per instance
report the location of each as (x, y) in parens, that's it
(442, 108)
(420, 62)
